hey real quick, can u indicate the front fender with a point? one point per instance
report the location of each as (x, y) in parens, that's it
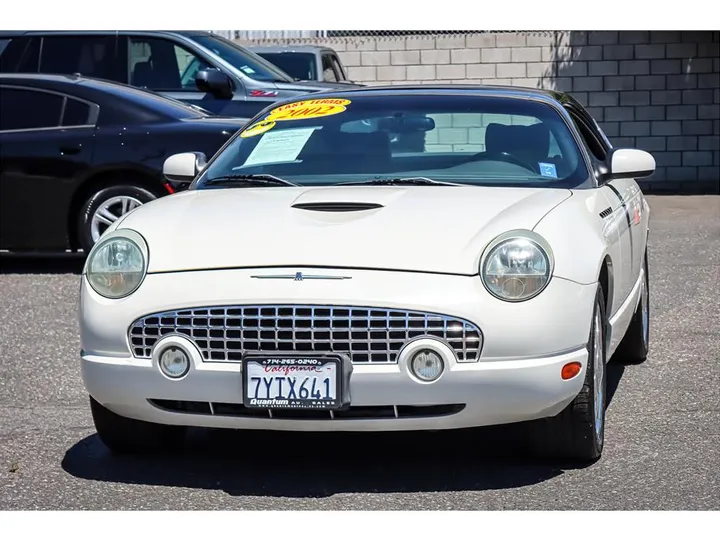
(580, 238)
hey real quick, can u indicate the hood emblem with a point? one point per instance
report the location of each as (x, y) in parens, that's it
(299, 276)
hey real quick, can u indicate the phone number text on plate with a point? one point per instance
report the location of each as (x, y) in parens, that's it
(285, 383)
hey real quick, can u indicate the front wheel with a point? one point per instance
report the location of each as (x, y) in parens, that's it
(106, 206)
(578, 432)
(128, 436)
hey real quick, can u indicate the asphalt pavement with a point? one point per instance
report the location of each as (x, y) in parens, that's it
(662, 438)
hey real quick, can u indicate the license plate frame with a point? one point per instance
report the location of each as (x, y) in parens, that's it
(343, 371)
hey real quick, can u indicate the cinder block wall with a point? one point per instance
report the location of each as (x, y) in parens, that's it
(659, 91)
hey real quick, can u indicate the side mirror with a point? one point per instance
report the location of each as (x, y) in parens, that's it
(184, 167)
(214, 82)
(628, 163)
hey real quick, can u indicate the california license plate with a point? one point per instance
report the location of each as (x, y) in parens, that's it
(293, 382)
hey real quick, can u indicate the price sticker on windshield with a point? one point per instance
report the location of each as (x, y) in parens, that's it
(311, 108)
(300, 110)
(257, 129)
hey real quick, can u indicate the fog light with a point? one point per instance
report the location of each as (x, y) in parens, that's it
(426, 365)
(174, 362)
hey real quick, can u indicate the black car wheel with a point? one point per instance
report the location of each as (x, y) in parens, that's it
(128, 436)
(106, 206)
(578, 432)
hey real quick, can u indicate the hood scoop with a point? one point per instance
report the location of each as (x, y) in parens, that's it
(338, 200)
(337, 206)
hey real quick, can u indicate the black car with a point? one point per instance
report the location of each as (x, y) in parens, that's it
(76, 153)
(194, 66)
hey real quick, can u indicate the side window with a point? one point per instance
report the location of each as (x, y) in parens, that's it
(22, 108)
(20, 55)
(76, 113)
(328, 71)
(338, 68)
(3, 44)
(189, 66)
(159, 64)
(91, 56)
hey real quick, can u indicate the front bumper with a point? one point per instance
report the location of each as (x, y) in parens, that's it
(492, 393)
(517, 377)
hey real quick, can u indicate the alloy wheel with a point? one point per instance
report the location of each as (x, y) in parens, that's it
(109, 212)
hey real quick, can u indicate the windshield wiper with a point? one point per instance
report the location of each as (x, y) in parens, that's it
(414, 181)
(251, 179)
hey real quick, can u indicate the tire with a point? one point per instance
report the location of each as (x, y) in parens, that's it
(127, 436)
(634, 347)
(117, 200)
(573, 433)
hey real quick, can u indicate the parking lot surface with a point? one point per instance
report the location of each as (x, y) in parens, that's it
(662, 438)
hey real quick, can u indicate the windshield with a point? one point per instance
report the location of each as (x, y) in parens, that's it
(302, 66)
(453, 139)
(245, 61)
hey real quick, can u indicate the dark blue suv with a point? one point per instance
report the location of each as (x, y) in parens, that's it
(197, 67)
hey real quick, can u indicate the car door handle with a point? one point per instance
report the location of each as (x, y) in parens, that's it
(70, 150)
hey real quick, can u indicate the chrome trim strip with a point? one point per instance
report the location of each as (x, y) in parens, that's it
(285, 266)
(299, 276)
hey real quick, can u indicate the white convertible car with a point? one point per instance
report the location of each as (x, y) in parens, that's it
(405, 258)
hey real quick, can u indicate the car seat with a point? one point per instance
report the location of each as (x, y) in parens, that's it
(529, 144)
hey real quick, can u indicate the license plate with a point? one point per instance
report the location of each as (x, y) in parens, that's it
(292, 382)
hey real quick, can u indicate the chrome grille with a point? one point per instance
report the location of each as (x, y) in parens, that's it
(367, 334)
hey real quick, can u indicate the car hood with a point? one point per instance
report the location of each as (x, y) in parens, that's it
(415, 228)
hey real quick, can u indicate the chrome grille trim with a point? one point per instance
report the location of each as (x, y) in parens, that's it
(368, 334)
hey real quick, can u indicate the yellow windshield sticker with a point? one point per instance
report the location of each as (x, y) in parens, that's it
(311, 108)
(300, 110)
(257, 129)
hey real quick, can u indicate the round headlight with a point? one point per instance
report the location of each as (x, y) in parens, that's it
(116, 267)
(516, 269)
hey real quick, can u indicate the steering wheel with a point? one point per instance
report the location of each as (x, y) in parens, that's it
(501, 156)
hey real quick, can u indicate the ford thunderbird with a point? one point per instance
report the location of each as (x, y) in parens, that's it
(319, 274)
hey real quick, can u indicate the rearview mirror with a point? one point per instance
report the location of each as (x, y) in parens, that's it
(214, 82)
(406, 124)
(628, 163)
(184, 167)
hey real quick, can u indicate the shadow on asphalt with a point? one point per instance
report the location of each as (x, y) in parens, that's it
(615, 372)
(310, 465)
(314, 465)
(41, 264)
